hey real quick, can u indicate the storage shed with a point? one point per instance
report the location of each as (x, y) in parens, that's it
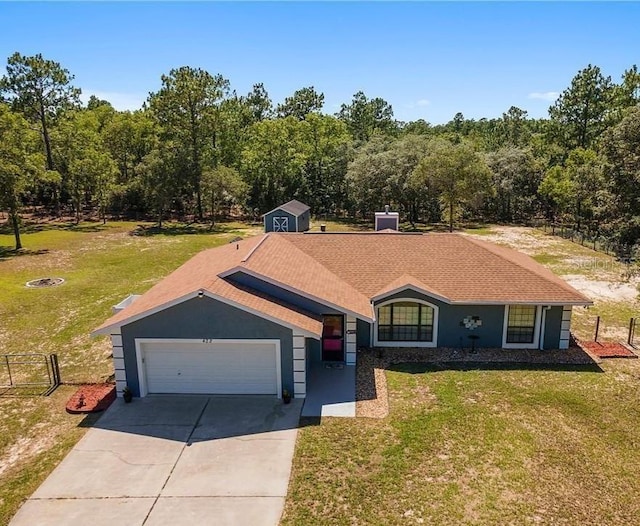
(293, 216)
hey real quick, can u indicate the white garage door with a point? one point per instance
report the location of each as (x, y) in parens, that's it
(215, 367)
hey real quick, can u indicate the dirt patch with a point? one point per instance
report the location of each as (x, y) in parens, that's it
(524, 239)
(603, 290)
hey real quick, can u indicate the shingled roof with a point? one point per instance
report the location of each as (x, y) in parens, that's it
(349, 270)
(293, 207)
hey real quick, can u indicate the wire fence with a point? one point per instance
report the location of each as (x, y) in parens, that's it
(624, 252)
(37, 373)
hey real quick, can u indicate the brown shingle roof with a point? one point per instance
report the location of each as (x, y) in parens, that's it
(201, 273)
(347, 270)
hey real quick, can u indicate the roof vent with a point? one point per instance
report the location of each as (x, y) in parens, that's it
(387, 220)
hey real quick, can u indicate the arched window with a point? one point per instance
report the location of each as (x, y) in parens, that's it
(406, 321)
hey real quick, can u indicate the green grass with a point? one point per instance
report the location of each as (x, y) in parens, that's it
(101, 265)
(478, 447)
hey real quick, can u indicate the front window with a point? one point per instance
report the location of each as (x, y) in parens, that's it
(405, 321)
(521, 324)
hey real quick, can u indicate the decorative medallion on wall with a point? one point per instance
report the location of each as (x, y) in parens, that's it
(471, 322)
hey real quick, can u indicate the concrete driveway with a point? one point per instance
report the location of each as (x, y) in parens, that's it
(174, 460)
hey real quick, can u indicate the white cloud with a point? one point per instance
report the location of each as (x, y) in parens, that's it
(547, 95)
(418, 104)
(120, 101)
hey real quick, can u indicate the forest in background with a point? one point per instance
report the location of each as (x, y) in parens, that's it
(198, 151)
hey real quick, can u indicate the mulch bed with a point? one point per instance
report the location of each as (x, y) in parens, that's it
(608, 349)
(91, 398)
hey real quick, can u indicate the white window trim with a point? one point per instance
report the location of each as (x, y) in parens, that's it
(433, 343)
(140, 350)
(536, 330)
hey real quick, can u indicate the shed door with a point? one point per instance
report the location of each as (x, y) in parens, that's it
(219, 367)
(281, 224)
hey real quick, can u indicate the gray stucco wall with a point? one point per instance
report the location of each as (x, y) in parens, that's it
(314, 351)
(451, 334)
(552, 328)
(281, 294)
(205, 318)
(268, 220)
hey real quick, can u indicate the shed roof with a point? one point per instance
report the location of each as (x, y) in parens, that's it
(293, 207)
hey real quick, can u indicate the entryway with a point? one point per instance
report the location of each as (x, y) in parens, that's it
(331, 390)
(333, 338)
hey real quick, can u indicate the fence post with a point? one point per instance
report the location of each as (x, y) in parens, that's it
(6, 359)
(55, 367)
(632, 326)
(595, 338)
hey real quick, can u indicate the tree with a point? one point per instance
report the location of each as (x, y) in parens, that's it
(40, 89)
(556, 187)
(259, 103)
(621, 145)
(365, 117)
(456, 172)
(273, 162)
(580, 113)
(222, 185)
(159, 171)
(303, 102)
(516, 175)
(575, 187)
(187, 111)
(381, 174)
(326, 143)
(20, 163)
(514, 127)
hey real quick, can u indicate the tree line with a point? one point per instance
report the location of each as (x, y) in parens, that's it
(199, 149)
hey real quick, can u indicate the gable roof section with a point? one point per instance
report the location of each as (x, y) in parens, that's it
(200, 273)
(293, 207)
(281, 263)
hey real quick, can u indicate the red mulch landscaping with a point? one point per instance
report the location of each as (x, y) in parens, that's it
(608, 349)
(91, 398)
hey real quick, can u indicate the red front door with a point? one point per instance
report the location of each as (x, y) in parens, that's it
(333, 338)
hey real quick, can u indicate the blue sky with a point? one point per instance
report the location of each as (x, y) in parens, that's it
(429, 60)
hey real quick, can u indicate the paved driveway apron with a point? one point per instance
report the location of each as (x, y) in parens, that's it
(174, 460)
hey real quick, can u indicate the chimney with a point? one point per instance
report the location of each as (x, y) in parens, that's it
(387, 220)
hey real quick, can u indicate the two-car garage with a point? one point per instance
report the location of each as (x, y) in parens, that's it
(209, 366)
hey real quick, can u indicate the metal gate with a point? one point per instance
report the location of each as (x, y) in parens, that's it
(32, 371)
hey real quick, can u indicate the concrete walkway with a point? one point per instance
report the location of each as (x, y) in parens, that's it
(331, 391)
(174, 460)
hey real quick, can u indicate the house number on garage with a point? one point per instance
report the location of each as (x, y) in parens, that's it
(207, 340)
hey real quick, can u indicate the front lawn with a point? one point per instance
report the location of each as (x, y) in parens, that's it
(479, 447)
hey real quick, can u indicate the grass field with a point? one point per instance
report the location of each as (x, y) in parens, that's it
(480, 447)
